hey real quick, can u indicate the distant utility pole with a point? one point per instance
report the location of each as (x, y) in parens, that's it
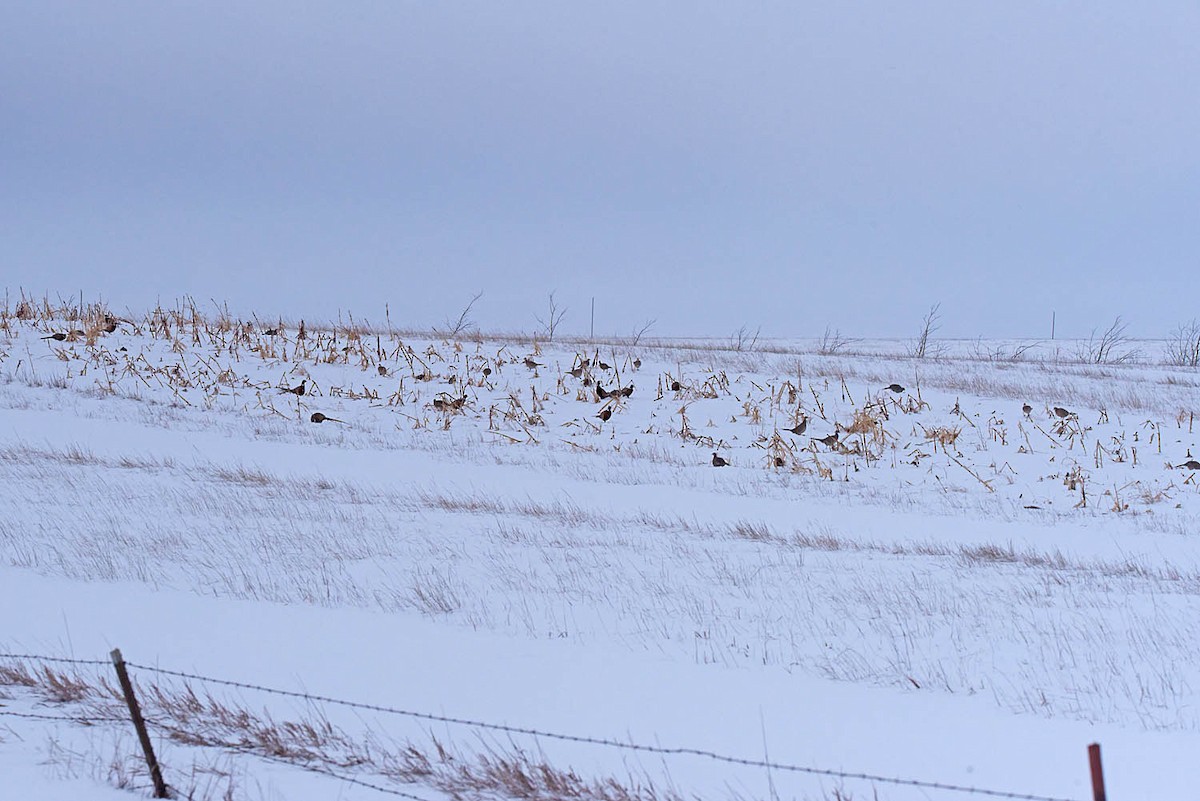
(1052, 316)
(592, 334)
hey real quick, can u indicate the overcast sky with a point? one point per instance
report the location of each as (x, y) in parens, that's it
(706, 165)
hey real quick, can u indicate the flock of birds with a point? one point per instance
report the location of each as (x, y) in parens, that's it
(830, 441)
(299, 391)
(581, 369)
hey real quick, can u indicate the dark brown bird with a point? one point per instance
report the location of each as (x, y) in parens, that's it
(1190, 464)
(296, 390)
(602, 392)
(627, 391)
(637, 364)
(604, 366)
(272, 332)
(1062, 413)
(110, 326)
(382, 370)
(719, 462)
(1027, 409)
(829, 442)
(799, 428)
(444, 403)
(897, 388)
(317, 417)
(57, 336)
(675, 386)
(531, 364)
(779, 461)
(576, 372)
(487, 371)
(605, 414)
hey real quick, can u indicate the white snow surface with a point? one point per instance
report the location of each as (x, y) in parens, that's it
(971, 611)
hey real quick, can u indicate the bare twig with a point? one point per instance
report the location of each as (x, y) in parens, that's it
(464, 324)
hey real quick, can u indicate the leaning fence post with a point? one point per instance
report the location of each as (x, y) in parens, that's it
(139, 723)
(1097, 772)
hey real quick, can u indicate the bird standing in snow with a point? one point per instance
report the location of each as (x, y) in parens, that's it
(830, 441)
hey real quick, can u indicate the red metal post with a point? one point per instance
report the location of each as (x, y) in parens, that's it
(1097, 772)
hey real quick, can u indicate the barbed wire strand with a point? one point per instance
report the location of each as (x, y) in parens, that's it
(653, 749)
(67, 718)
(60, 659)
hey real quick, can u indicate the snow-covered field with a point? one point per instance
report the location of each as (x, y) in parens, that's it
(954, 590)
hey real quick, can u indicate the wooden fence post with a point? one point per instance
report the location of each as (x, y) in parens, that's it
(139, 723)
(1097, 772)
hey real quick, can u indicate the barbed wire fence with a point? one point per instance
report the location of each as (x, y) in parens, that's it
(312, 698)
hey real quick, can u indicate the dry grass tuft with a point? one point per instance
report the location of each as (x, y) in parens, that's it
(63, 688)
(755, 532)
(987, 553)
(244, 476)
(17, 674)
(945, 436)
